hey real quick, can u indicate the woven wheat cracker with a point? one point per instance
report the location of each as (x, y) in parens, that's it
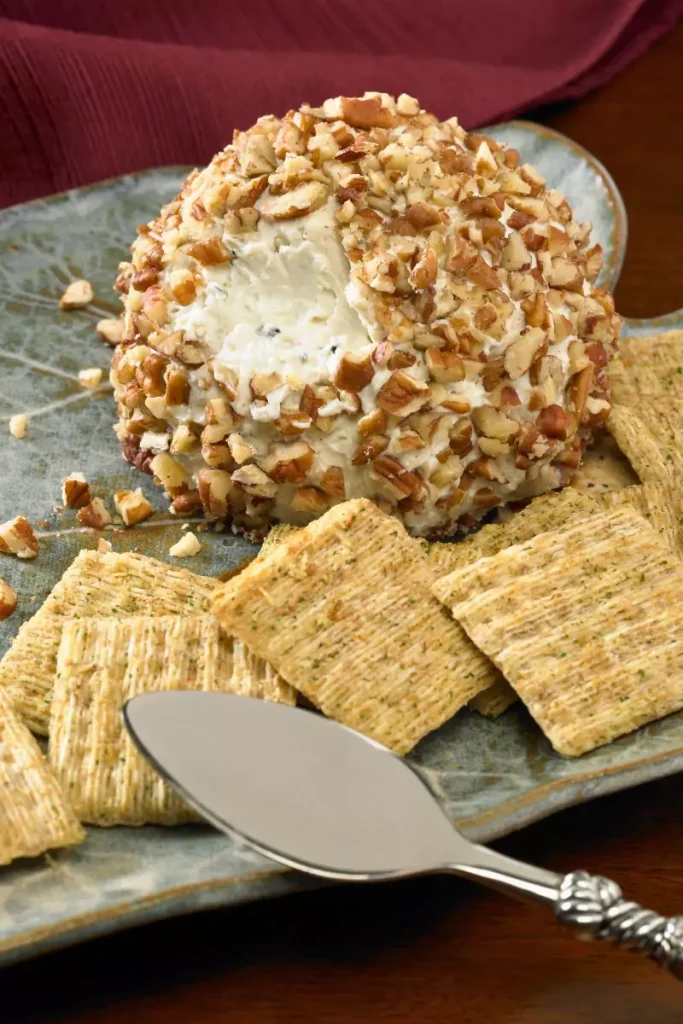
(540, 515)
(94, 584)
(660, 504)
(277, 533)
(586, 623)
(495, 699)
(102, 663)
(34, 814)
(544, 513)
(604, 468)
(343, 611)
(647, 417)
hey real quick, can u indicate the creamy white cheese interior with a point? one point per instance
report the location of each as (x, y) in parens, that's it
(279, 306)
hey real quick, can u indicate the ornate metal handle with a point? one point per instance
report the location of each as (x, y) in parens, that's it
(596, 909)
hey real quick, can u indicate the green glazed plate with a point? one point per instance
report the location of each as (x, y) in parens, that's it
(493, 777)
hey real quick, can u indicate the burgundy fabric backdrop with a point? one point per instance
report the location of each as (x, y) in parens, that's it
(91, 89)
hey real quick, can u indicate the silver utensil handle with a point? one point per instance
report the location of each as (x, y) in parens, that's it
(596, 909)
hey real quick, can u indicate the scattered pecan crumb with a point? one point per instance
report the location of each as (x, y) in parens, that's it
(186, 547)
(110, 331)
(77, 295)
(18, 426)
(90, 378)
(17, 538)
(94, 515)
(132, 506)
(75, 491)
(8, 600)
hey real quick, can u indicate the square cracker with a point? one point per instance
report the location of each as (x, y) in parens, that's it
(544, 513)
(549, 510)
(586, 623)
(34, 814)
(660, 504)
(604, 468)
(277, 534)
(343, 610)
(94, 584)
(104, 662)
(647, 415)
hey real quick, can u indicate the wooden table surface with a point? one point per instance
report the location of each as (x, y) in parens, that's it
(438, 949)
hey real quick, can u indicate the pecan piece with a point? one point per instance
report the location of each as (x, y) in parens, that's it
(177, 387)
(214, 490)
(565, 274)
(309, 499)
(400, 395)
(75, 491)
(210, 252)
(132, 506)
(372, 446)
(455, 161)
(521, 353)
(460, 436)
(144, 279)
(18, 426)
(444, 365)
(288, 463)
(8, 600)
(374, 423)
(94, 515)
(353, 373)
(482, 274)
(110, 331)
(300, 201)
(421, 215)
(580, 389)
(492, 423)
(555, 422)
(189, 501)
(183, 286)
(515, 255)
(365, 113)
(188, 546)
(333, 484)
(254, 482)
(77, 295)
(400, 481)
(169, 473)
(17, 538)
(90, 378)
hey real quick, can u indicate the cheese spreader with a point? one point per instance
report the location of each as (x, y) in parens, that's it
(321, 798)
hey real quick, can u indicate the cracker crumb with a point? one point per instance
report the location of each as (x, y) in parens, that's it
(77, 295)
(186, 547)
(18, 426)
(103, 546)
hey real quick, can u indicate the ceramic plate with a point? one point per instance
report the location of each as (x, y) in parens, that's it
(494, 777)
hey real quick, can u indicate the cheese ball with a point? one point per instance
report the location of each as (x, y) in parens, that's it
(360, 300)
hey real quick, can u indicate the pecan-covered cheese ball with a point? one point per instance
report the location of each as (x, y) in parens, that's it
(359, 300)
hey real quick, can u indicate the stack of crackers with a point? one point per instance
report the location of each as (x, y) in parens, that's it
(114, 626)
(572, 606)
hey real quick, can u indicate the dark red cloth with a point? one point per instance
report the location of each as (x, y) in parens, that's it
(95, 88)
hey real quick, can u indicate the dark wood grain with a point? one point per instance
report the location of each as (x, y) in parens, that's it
(437, 950)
